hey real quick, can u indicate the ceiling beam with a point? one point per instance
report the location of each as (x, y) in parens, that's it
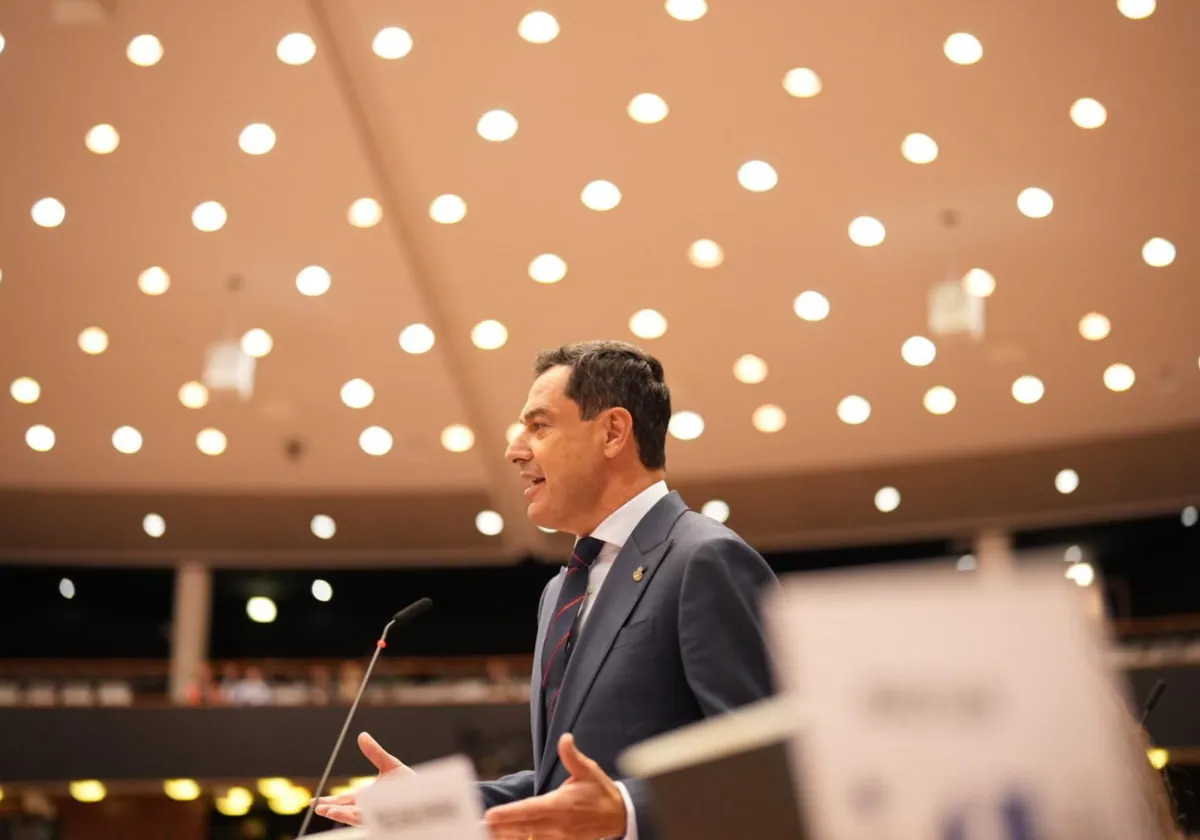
(339, 37)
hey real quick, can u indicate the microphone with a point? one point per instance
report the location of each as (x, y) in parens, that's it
(404, 616)
(1152, 699)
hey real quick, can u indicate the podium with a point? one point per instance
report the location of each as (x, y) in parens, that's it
(724, 777)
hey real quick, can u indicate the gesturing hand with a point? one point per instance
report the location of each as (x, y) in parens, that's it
(586, 806)
(344, 808)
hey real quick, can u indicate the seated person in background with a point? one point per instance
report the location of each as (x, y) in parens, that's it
(253, 690)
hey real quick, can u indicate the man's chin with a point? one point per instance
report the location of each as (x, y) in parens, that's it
(538, 515)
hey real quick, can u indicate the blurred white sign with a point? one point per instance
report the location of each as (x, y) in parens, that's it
(939, 707)
(953, 310)
(439, 803)
(228, 368)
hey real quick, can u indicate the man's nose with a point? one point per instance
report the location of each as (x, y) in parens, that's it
(517, 451)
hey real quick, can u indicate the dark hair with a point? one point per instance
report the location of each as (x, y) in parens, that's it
(616, 374)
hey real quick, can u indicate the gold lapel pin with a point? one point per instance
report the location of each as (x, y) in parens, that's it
(638, 573)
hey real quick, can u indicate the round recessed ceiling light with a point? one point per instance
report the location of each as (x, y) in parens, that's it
(854, 410)
(489, 523)
(600, 195)
(211, 441)
(313, 280)
(102, 139)
(154, 525)
(25, 390)
(685, 425)
(447, 209)
(323, 528)
(257, 139)
(647, 323)
(392, 42)
(704, 253)
(261, 609)
(1035, 203)
(1136, 9)
(811, 306)
(39, 438)
(1088, 113)
(715, 509)
(144, 51)
(979, 282)
(193, 395)
(497, 126)
(940, 400)
(1028, 389)
(769, 418)
(887, 499)
(154, 281)
(257, 343)
(802, 82)
(364, 213)
(93, 341)
(686, 10)
(1094, 326)
(48, 212)
(127, 440)
(375, 440)
(1190, 516)
(358, 393)
(1067, 481)
(1084, 574)
(322, 590)
(457, 438)
(538, 28)
(416, 339)
(918, 351)
(963, 48)
(296, 48)
(489, 335)
(209, 216)
(547, 268)
(749, 369)
(648, 108)
(757, 176)
(919, 148)
(1119, 377)
(2, 43)
(1158, 252)
(867, 231)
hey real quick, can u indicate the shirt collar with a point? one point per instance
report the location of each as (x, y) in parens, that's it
(618, 526)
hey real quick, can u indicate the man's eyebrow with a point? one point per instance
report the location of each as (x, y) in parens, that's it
(533, 414)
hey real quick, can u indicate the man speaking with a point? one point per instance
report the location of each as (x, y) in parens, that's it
(652, 624)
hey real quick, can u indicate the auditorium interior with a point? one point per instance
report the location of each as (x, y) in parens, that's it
(273, 275)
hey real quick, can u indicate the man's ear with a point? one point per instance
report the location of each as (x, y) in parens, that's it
(617, 427)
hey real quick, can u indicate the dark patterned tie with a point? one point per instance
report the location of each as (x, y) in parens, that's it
(560, 635)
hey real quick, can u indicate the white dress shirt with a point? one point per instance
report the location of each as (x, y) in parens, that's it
(614, 532)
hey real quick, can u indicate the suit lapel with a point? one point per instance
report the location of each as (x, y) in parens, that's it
(537, 715)
(618, 596)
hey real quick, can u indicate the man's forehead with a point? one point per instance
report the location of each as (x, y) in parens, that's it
(546, 394)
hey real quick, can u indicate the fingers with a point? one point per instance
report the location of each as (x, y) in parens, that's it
(575, 762)
(341, 813)
(377, 755)
(340, 799)
(524, 812)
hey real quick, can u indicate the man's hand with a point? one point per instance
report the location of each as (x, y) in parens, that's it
(344, 808)
(587, 806)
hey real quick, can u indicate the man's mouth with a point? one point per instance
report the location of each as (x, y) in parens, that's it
(534, 484)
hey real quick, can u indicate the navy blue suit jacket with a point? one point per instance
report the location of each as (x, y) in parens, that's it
(682, 643)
